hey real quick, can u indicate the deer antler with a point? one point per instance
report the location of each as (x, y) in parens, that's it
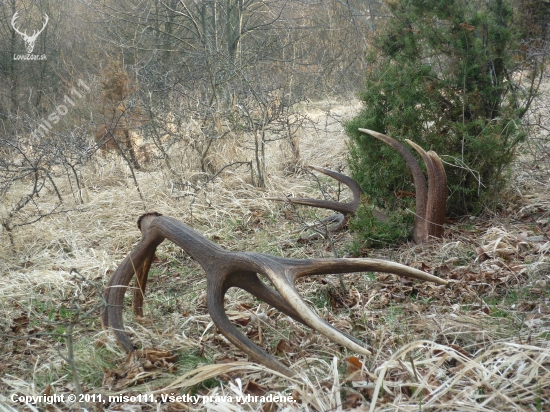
(431, 199)
(437, 191)
(226, 269)
(338, 221)
(15, 16)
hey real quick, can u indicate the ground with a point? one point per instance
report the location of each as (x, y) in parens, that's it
(481, 343)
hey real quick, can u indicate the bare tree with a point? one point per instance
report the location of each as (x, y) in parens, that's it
(228, 69)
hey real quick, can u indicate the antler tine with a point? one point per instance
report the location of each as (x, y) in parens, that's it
(337, 221)
(284, 272)
(350, 207)
(250, 282)
(299, 268)
(421, 188)
(45, 23)
(295, 269)
(15, 17)
(142, 273)
(287, 291)
(138, 261)
(437, 190)
(345, 208)
(220, 281)
(216, 288)
(440, 195)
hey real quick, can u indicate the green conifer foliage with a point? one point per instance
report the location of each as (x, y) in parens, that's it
(452, 76)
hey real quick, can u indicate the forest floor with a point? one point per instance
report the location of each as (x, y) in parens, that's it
(482, 343)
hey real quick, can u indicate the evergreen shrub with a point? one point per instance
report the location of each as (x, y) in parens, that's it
(452, 76)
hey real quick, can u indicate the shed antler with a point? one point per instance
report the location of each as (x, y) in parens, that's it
(431, 199)
(225, 269)
(337, 221)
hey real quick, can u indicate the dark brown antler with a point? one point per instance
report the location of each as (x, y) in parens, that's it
(437, 191)
(338, 221)
(226, 269)
(431, 199)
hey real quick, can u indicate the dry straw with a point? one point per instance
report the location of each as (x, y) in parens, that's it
(436, 349)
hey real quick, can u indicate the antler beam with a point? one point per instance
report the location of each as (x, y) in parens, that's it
(225, 269)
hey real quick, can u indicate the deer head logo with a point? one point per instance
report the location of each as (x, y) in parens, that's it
(29, 40)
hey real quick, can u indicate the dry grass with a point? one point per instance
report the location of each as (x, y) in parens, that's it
(480, 344)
